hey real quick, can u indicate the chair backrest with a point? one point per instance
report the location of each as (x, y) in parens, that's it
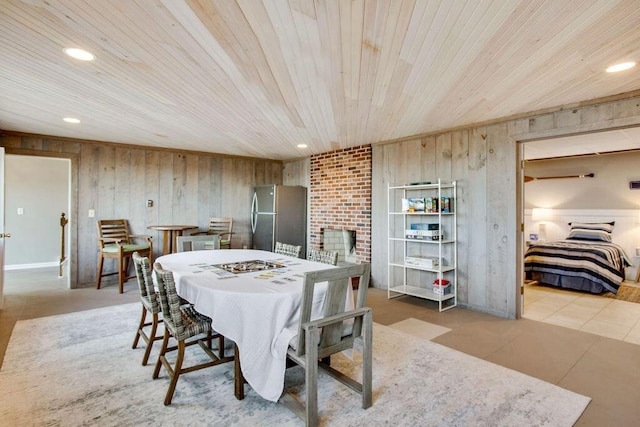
(170, 302)
(327, 257)
(145, 282)
(286, 249)
(197, 243)
(112, 229)
(333, 337)
(220, 225)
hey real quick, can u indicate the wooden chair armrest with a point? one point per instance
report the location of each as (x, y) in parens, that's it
(199, 233)
(146, 237)
(352, 314)
(109, 240)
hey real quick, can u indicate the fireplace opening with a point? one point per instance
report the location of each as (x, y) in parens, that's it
(341, 241)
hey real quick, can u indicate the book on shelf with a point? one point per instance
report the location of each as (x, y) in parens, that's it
(424, 234)
(422, 261)
(445, 204)
(413, 204)
(429, 233)
(417, 237)
(425, 226)
(433, 204)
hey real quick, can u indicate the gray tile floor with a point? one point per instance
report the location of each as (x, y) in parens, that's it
(605, 369)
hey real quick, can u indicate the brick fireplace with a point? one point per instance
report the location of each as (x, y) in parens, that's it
(340, 199)
(341, 241)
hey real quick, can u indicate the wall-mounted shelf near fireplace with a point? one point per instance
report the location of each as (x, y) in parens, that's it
(422, 242)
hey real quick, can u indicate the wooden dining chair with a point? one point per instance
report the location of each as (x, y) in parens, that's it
(287, 249)
(150, 305)
(115, 242)
(338, 329)
(326, 257)
(221, 227)
(196, 243)
(188, 327)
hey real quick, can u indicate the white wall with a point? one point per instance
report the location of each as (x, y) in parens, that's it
(608, 189)
(40, 187)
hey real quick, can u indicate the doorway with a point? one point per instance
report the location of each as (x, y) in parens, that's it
(37, 193)
(599, 192)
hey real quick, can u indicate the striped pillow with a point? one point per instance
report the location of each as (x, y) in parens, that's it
(598, 231)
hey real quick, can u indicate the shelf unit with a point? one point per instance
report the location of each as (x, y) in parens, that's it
(417, 280)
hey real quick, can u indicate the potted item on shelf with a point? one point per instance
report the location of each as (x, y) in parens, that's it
(441, 287)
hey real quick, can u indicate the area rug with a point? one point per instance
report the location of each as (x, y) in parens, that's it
(420, 328)
(626, 292)
(79, 369)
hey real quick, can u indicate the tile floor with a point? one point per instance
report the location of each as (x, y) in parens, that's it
(598, 315)
(603, 368)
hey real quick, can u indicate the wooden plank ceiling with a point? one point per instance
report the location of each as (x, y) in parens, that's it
(256, 78)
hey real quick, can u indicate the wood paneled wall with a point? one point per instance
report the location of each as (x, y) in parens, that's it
(116, 181)
(484, 161)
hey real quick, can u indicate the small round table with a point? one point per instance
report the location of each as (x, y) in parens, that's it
(170, 235)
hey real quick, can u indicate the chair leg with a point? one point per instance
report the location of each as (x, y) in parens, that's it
(367, 360)
(311, 379)
(176, 373)
(163, 351)
(143, 317)
(238, 378)
(100, 264)
(221, 346)
(152, 339)
(120, 275)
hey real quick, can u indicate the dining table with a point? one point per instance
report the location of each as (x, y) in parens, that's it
(253, 298)
(170, 235)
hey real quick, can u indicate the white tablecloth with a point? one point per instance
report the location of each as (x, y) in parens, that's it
(259, 311)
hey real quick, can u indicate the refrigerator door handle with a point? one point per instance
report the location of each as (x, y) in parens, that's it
(254, 210)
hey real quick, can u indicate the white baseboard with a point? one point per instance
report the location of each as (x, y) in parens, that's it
(27, 266)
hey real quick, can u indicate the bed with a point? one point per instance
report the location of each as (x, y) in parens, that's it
(586, 261)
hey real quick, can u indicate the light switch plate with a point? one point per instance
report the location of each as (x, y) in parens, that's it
(92, 213)
(20, 211)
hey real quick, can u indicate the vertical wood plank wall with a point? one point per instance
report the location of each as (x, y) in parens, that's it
(484, 161)
(185, 188)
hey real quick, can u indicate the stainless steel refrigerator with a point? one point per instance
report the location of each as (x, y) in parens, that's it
(279, 213)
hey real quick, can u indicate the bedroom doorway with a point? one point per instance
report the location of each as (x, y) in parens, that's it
(556, 183)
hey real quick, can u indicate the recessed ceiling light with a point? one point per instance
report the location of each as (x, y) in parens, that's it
(302, 145)
(80, 54)
(71, 120)
(620, 67)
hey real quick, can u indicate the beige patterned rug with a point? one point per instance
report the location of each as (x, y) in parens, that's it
(627, 292)
(79, 369)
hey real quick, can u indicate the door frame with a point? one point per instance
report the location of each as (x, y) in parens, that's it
(519, 141)
(72, 235)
